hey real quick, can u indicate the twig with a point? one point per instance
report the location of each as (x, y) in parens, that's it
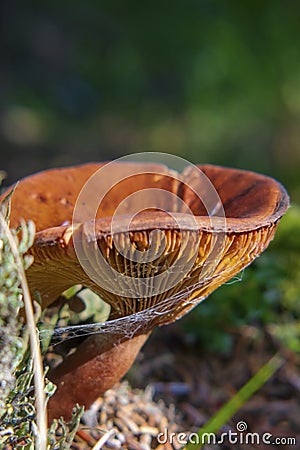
(40, 399)
(104, 439)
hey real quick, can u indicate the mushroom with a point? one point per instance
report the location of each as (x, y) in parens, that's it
(152, 257)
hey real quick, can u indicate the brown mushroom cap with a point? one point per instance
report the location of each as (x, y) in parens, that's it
(252, 203)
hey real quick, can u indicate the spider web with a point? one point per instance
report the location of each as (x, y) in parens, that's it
(134, 323)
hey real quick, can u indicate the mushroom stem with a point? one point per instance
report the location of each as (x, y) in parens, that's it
(95, 367)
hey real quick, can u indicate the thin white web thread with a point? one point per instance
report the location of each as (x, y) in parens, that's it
(133, 323)
(120, 324)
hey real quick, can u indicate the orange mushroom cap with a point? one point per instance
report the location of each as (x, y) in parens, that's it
(252, 204)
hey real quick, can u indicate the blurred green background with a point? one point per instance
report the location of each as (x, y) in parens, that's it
(212, 81)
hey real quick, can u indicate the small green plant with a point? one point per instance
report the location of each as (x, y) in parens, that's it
(12, 343)
(24, 389)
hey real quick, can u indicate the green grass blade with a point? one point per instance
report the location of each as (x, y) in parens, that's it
(237, 401)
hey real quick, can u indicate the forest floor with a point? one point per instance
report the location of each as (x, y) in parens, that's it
(175, 388)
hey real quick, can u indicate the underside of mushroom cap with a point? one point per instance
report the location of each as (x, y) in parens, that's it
(192, 250)
(50, 277)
